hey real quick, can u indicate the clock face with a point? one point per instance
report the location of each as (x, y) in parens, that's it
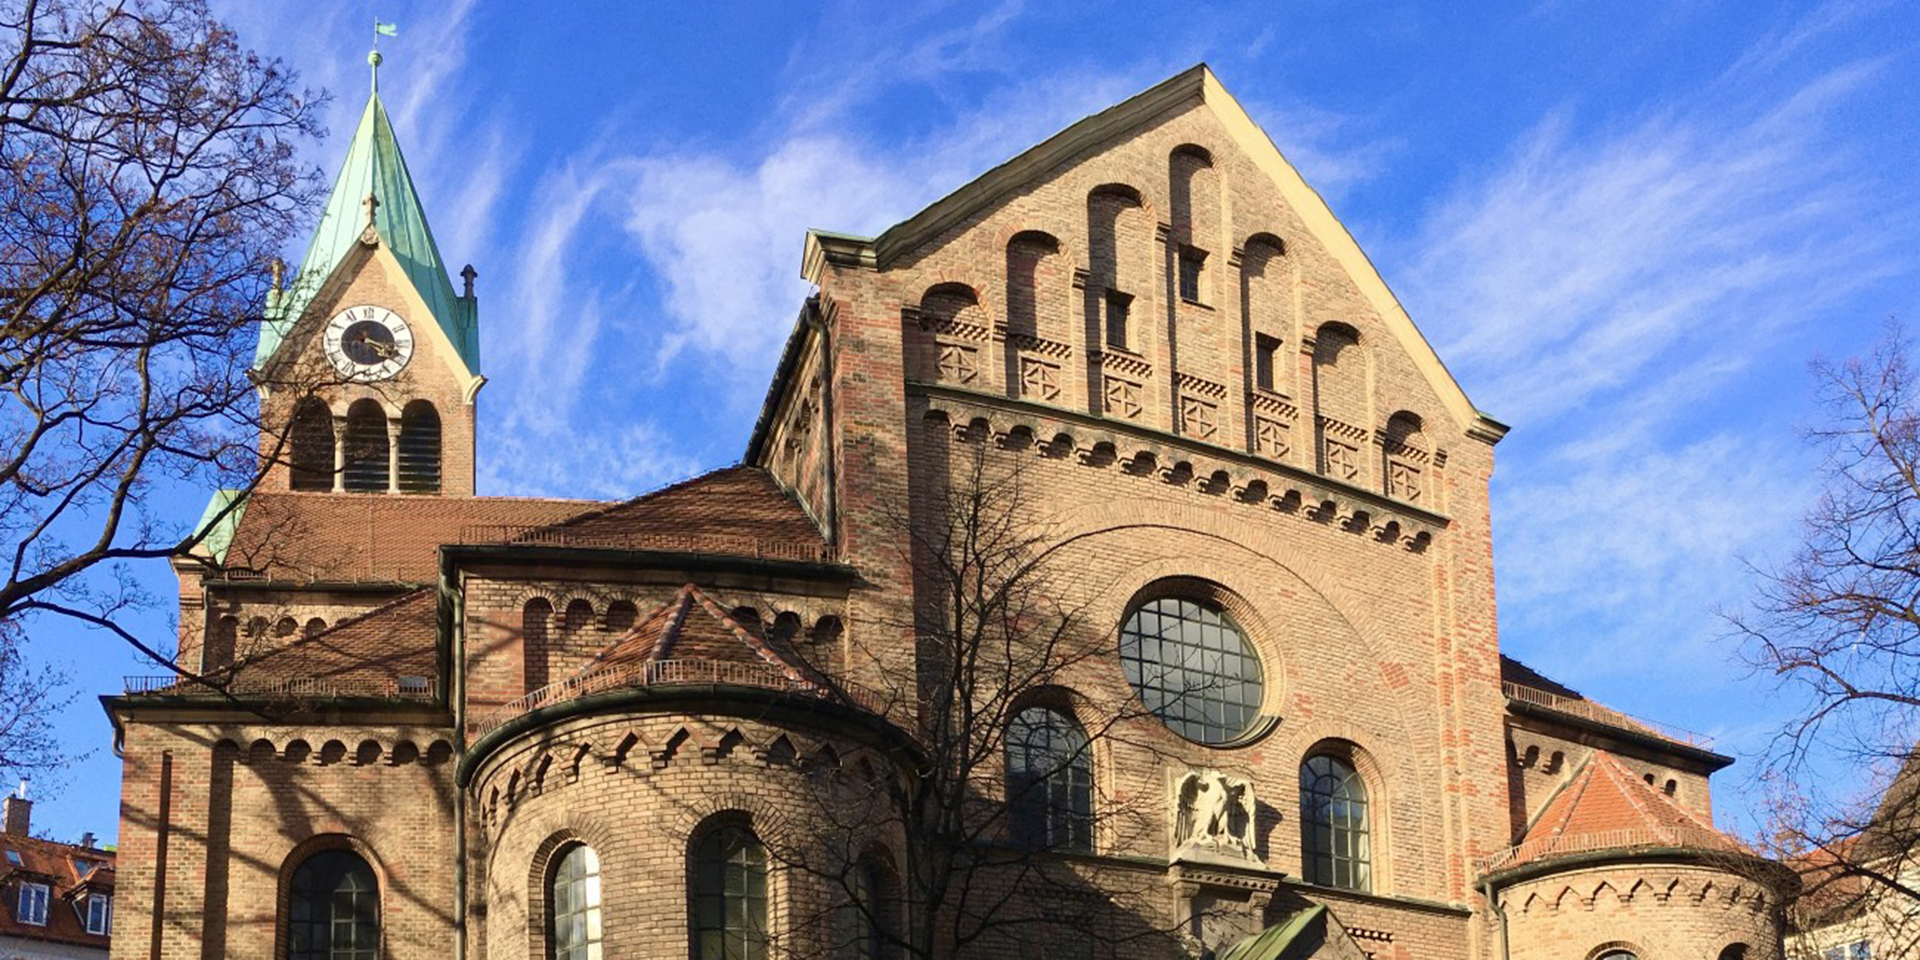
(368, 343)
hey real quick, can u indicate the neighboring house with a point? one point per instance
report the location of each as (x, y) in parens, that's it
(58, 896)
(495, 728)
(1848, 911)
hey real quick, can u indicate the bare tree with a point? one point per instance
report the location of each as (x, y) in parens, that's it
(148, 176)
(30, 698)
(1838, 624)
(983, 821)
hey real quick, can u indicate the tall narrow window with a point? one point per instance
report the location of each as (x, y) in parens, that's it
(333, 910)
(33, 904)
(574, 904)
(1266, 362)
(1049, 781)
(872, 917)
(99, 914)
(1334, 843)
(366, 468)
(1118, 306)
(1193, 263)
(419, 448)
(729, 896)
(310, 436)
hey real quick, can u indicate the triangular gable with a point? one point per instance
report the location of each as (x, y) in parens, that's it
(374, 166)
(691, 626)
(1605, 806)
(1178, 93)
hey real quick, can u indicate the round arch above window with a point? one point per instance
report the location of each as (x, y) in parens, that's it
(1193, 665)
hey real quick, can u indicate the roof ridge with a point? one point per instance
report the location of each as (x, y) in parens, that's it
(682, 602)
(610, 506)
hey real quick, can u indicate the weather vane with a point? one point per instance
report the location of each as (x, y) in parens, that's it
(373, 59)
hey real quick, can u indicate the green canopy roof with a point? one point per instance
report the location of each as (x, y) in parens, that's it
(215, 530)
(1272, 943)
(374, 167)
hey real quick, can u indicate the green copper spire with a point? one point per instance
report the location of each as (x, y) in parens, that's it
(374, 190)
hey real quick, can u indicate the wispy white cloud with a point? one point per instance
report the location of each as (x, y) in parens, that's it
(1612, 291)
(1683, 235)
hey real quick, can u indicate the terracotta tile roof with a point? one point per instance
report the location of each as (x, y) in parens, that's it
(365, 655)
(691, 626)
(70, 870)
(371, 537)
(737, 511)
(1606, 807)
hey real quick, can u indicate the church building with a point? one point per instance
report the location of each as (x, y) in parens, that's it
(1109, 574)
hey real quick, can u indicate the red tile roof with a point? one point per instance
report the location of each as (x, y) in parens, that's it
(365, 655)
(374, 537)
(736, 511)
(59, 865)
(691, 626)
(1606, 807)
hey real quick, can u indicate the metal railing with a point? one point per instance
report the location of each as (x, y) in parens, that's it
(1677, 836)
(1587, 709)
(708, 543)
(669, 673)
(298, 688)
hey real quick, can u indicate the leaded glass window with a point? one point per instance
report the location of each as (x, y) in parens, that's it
(333, 909)
(1049, 781)
(729, 896)
(1335, 844)
(1193, 667)
(575, 905)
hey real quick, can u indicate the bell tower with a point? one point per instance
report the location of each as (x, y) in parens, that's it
(369, 360)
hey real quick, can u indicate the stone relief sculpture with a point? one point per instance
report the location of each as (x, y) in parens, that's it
(1213, 812)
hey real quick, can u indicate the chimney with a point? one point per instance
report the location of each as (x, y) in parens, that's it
(86, 840)
(17, 811)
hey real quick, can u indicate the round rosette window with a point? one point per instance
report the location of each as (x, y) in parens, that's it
(1194, 668)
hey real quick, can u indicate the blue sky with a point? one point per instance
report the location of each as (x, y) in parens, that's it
(1625, 227)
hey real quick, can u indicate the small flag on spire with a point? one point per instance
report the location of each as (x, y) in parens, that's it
(385, 29)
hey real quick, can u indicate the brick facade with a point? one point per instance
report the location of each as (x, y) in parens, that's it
(1204, 391)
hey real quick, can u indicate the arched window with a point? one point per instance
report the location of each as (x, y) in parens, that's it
(311, 438)
(873, 909)
(573, 903)
(1335, 847)
(333, 909)
(1192, 667)
(419, 448)
(1049, 781)
(729, 898)
(366, 467)
(1618, 955)
(1734, 951)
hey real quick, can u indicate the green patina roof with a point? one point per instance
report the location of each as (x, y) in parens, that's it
(374, 166)
(218, 530)
(1272, 943)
